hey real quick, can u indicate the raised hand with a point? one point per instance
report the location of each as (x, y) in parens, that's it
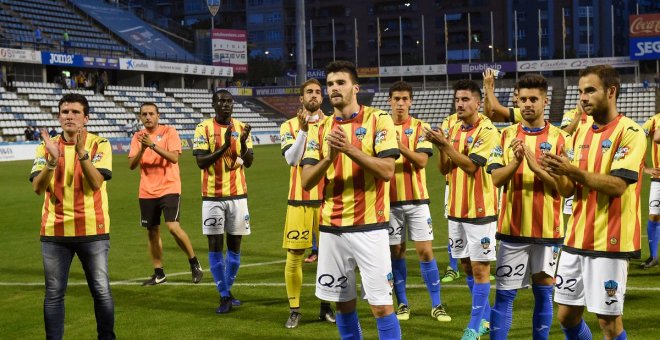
(81, 136)
(246, 133)
(303, 118)
(51, 147)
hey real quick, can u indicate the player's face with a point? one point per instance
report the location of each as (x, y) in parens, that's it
(466, 103)
(149, 116)
(514, 98)
(223, 103)
(400, 102)
(532, 102)
(72, 117)
(312, 98)
(341, 90)
(593, 95)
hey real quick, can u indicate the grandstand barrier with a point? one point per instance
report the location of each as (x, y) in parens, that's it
(26, 150)
(17, 151)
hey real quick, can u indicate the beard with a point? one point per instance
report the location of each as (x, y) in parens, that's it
(312, 106)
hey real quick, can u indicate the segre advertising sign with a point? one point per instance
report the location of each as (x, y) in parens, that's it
(645, 36)
(229, 48)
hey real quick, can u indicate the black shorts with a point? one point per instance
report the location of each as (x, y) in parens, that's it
(151, 208)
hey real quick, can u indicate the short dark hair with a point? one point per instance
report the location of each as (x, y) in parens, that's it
(149, 104)
(343, 66)
(216, 94)
(607, 74)
(307, 83)
(467, 84)
(401, 86)
(74, 98)
(532, 81)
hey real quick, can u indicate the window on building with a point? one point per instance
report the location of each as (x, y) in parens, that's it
(256, 18)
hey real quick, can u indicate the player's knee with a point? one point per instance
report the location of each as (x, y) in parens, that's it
(611, 325)
(296, 251)
(380, 311)
(346, 306)
(542, 278)
(397, 251)
(215, 242)
(153, 231)
(568, 316)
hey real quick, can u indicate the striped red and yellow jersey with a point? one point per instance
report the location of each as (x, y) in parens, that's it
(297, 195)
(531, 210)
(72, 211)
(448, 122)
(353, 199)
(569, 115)
(408, 185)
(650, 126)
(602, 225)
(225, 179)
(472, 197)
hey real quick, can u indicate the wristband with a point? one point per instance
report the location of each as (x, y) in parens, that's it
(84, 157)
(153, 146)
(51, 166)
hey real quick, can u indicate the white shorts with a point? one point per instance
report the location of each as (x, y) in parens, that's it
(568, 205)
(654, 199)
(231, 216)
(596, 282)
(410, 221)
(517, 262)
(341, 254)
(446, 199)
(476, 241)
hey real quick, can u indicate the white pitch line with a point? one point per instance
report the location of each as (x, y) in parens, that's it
(259, 284)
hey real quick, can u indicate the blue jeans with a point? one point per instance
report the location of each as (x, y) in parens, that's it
(57, 257)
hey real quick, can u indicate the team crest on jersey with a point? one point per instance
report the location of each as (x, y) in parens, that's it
(485, 242)
(198, 141)
(380, 136)
(39, 161)
(545, 147)
(408, 132)
(611, 287)
(234, 135)
(571, 154)
(97, 157)
(605, 146)
(312, 145)
(159, 137)
(360, 133)
(621, 153)
(614, 241)
(497, 151)
(469, 140)
(285, 137)
(646, 132)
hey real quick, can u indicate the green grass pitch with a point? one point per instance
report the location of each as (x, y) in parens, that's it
(181, 310)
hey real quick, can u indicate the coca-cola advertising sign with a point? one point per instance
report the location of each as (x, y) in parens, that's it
(645, 25)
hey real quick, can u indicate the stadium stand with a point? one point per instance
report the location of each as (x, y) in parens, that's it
(35, 104)
(20, 18)
(634, 101)
(433, 106)
(201, 100)
(140, 35)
